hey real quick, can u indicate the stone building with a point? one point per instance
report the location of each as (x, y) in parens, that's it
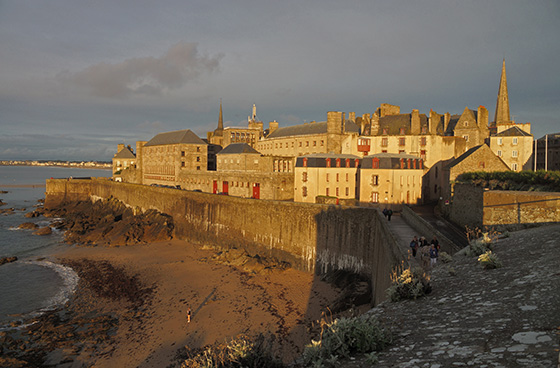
(124, 159)
(391, 179)
(169, 158)
(326, 175)
(479, 158)
(515, 147)
(548, 152)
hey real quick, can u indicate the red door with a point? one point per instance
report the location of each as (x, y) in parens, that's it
(225, 187)
(215, 187)
(256, 190)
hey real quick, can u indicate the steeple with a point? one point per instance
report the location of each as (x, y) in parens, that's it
(502, 105)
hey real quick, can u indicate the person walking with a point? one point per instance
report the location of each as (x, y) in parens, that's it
(414, 246)
(433, 256)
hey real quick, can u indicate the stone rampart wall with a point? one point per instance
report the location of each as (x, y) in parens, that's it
(427, 230)
(312, 237)
(507, 210)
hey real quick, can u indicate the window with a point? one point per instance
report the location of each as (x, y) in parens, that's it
(514, 167)
(337, 192)
(306, 143)
(375, 180)
(515, 140)
(327, 192)
(198, 159)
(375, 197)
(322, 143)
(500, 141)
(422, 141)
(466, 137)
(347, 191)
(304, 191)
(197, 149)
(337, 162)
(401, 131)
(314, 143)
(424, 130)
(327, 177)
(304, 161)
(384, 142)
(482, 164)
(304, 177)
(337, 177)
(198, 167)
(182, 164)
(300, 144)
(347, 177)
(402, 141)
(375, 163)
(401, 151)
(466, 123)
(182, 153)
(385, 131)
(328, 160)
(513, 153)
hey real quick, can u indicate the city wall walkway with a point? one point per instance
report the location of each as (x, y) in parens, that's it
(404, 233)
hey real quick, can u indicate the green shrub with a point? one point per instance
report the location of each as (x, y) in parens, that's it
(445, 257)
(344, 337)
(544, 181)
(489, 260)
(408, 284)
(238, 353)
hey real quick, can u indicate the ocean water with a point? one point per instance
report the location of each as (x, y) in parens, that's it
(33, 284)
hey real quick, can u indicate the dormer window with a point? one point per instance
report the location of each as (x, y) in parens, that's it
(401, 131)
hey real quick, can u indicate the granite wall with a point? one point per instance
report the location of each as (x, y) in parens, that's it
(312, 237)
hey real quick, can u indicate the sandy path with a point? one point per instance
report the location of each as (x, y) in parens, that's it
(224, 301)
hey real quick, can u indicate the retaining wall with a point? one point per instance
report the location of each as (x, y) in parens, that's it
(312, 237)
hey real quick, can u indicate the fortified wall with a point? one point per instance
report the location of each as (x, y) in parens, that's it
(474, 206)
(312, 237)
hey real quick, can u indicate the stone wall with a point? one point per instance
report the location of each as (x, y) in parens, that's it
(508, 210)
(312, 237)
(427, 230)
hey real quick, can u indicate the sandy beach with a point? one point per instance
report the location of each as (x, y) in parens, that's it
(170, 277)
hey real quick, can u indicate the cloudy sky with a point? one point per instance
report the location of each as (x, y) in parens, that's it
(79, 77)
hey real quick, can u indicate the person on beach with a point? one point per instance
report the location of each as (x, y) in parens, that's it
(189, 315)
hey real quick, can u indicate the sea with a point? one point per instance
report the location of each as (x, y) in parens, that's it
(34, 283)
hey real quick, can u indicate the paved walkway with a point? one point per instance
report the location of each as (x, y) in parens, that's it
(403, 233)
(505, 317)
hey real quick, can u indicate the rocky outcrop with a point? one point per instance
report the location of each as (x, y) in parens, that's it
(28, 226)
(43, 231)
(7, 260)
(111, 223)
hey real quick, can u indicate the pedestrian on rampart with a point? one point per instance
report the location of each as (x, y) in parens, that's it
(433, 256)
(425, 256)
(389, 214)
(414, 246)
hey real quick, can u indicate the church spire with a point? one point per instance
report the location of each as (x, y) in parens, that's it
(502, 104)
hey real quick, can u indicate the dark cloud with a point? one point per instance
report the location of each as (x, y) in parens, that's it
(145, 76)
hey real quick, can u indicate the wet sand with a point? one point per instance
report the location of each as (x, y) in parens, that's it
(175, 276)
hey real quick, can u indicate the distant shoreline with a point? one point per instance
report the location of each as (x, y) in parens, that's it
(61, 164)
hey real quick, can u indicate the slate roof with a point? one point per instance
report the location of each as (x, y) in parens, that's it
(513, 132)
(180, 136)
(309, 129)
(319, 159)
(394, 123)
(125, 153)
(387, 160)
(237, 148)
(464, 156)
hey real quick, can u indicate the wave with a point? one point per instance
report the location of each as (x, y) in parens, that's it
(70, 281)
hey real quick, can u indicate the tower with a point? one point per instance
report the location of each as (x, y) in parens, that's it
(502, 104)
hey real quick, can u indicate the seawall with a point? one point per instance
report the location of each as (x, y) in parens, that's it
(312, 237)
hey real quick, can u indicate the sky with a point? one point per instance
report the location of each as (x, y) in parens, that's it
(79, 77)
